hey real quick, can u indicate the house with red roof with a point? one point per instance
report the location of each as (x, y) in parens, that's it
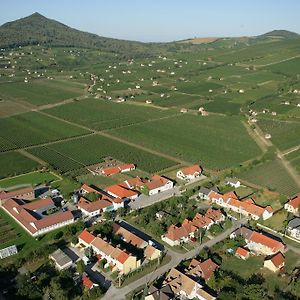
(157, 184)
(242, 253)
(88, 283)
(119, 191)
(189, 173)
(293, 205)
(275, 263)
(117, 259)
(204, 269)
(34, 217)
(247, 207)
(118, 169)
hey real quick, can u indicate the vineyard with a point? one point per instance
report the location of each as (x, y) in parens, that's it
(272, 175)
(33, 129)
(72, 155)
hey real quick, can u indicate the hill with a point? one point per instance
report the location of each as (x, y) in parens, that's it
(37, 29)
(282, 34)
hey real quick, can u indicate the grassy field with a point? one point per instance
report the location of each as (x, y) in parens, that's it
(41, 91)
(32, 129)
(14, 163)
(206, 140)
(272, 175)
(72, 155)
(294, 159)
(285, 134)
(33, 178)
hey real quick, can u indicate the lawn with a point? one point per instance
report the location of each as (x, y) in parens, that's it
(33, 178)
(41, 91)
(15, 163)
(277, 221)
(32, 129)
(196, 139)
(272, 175)
(75, 154)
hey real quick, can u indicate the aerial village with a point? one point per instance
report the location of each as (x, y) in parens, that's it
(110, 250)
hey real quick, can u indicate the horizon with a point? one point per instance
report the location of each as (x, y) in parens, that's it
(180, 22)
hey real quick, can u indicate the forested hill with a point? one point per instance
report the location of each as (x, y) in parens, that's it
(37, 29)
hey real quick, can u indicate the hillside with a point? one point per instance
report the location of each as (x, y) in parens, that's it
(37, 29)
(282, 34)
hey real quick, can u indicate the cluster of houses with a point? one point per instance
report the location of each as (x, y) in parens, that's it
(36, 217)
(189, 283)
(177, 235)
(117, 258)
(261, 244)
(246, 207)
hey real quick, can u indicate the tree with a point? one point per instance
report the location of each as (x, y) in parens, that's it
(80, 267)
(102, 263)
(108, 215)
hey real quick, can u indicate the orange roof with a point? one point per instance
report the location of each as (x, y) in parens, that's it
(122, 257)
(89, 189)
(241, 252)
(87, 282)
(295, 202)
(278, 260)
(192, 170)
(120, 191)
(262, 239)
(201, 221)
(110, 171)
(175, 233)
(156, 182)
(86, 236)
(128, 166)
(132, 183)
(93, 206)
(214, 214)
(12, 194)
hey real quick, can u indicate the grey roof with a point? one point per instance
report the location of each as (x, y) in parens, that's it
(231, 180)
(61, 258)
(204, 191)
(294, 223)
(244, 232)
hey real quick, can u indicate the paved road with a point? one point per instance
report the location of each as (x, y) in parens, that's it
(176, 258)
(143, 200)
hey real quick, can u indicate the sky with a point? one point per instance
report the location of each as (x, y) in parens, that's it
(162, 20)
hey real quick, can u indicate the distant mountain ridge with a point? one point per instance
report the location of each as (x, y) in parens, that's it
(37, 29)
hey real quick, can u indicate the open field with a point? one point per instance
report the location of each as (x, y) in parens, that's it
(41, 91)
(33, 178)
(32, 129)
(205, 140)
(72, 155)
(285, 134)
(14, 163)
(273, 176)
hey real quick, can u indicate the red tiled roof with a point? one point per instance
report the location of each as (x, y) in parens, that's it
(241, 252)
(93, 206)
(12, 194)
(117, 169)
(156, 182)
(122, 257)
(34, 205)
(295, 202)
(120, 191)
(89, 189)
(204, 269)
(262, 239)
(86, 236)
(192, 170)
(278, 260)
(87, 282)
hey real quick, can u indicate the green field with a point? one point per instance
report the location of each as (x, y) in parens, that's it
(72, 155)
(272, 175)
(14, 163)
(216, 142)
(32, 129)
(33, 178)
(285, 134)
(41, 91)
(99, 114)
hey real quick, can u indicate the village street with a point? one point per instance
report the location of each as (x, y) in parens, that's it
(176, 258)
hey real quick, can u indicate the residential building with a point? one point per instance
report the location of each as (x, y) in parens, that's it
(34, 217)
(204, 269)
(293, 228)
(204, 192)
(118, 169)
(293, 206)
(184, 286)
(150, 252)
(189, 173)
(275, 263)
(119, 191)
(61, 259)
(247, 207)
(164, 293)
(158, 184)
(117, 259)
(259, 243)
(242, 253)
(88, 283)
(232, 182)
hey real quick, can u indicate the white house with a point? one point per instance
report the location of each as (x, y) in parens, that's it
(232, 182)
(293, 228)
(158, 184)
(293, 205)
(189, 173)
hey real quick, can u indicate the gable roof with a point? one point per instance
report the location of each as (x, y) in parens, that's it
(241, 252)
(120, 191)
(269, 242)
(86, 236)
(295, 202)
(17, 193)
(294, 223)
(156, 182)
(204, 269)
(93, 206)
(192, 170)
(277, 260)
